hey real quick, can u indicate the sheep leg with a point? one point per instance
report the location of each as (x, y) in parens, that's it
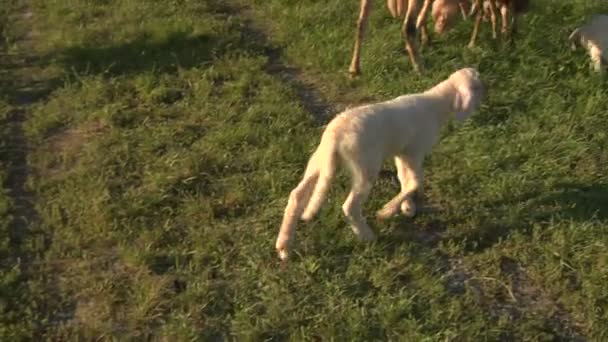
(477, 23)
(352, 207)
(473, 9)
(421, 23)
(295, 206)
(513, 29)
(410, 48)
(463, 10)
(410, 177)
(493, 18)
(504, 13)
(355, 64)
(408, 32)
(408, 206)
(425, 38)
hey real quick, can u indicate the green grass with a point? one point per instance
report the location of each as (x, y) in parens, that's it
(162, 157)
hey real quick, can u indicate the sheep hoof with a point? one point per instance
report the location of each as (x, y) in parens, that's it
(386, 212)
(408, 208)
(283, 254)
(282, 247)
(366, 234)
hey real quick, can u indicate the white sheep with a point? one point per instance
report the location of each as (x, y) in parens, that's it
(593, 37)
(405, 128)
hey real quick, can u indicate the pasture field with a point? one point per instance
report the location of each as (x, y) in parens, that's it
(147, 149)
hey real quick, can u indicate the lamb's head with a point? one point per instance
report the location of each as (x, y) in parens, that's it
(445, 13)
(469, 89)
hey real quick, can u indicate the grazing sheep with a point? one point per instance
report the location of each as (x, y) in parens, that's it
(443, 11)
(444, 14)
(489, 9)
(593, 37)
(405, 128)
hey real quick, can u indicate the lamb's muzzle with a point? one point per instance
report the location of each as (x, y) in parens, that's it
(405, 128)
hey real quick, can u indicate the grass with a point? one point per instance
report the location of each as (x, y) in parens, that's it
(169, 134)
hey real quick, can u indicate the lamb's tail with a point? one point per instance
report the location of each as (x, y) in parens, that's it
(326, 163)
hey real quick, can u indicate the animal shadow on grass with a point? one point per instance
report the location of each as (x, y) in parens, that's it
(142, 54)
(575, 202)
(177, 49)
(182, 49)
(580, 202)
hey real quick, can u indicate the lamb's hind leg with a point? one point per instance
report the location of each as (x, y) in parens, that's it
(298, 198)
(352, 207)
(410, 177)
(355, 64)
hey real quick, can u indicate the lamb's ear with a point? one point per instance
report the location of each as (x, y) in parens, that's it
(467, 100)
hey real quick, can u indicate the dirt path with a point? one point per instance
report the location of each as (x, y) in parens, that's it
(23, 91)
(309, 96)
(25, 83)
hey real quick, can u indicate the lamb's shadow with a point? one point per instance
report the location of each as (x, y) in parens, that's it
(579, 202)
(571, 202)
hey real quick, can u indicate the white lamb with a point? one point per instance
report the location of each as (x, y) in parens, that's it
(594, 38)
(405, 128)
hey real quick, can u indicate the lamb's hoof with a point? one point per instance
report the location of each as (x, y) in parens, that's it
(283, 254)
(366, 236)
(363, 233)
(306, 217)
(282, 247)
(353, 73)
(408, 208)
(386, 212)
(471, 45)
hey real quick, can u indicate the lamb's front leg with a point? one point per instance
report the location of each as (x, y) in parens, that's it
(352, 209)
(410, 176)
(597, 59)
